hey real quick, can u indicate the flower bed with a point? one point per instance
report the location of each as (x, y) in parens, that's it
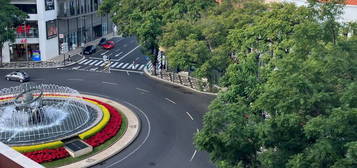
(110, 130)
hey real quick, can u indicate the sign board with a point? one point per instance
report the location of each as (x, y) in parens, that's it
(49, 5)
(36, 56)
(61, 36)
(51, 29)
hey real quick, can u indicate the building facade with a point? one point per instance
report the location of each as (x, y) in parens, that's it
(55, 27)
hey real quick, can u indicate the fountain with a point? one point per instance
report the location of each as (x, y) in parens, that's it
(37, 113)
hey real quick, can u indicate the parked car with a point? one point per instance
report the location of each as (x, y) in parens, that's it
(89, 50)
(108, 45)
(18, 76)
(102, 41)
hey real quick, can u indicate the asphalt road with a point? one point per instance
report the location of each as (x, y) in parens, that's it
(170, 115)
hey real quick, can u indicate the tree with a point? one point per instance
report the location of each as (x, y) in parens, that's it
(145, 18)
(10, 16)
(290, 100)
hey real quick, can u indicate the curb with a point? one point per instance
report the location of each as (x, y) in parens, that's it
(147, 73)
(72, 63)
(132, 131)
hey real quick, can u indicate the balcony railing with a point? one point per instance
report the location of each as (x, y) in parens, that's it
(31, 33)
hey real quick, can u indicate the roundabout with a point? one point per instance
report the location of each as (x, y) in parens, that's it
(166, 131)
(41, 121)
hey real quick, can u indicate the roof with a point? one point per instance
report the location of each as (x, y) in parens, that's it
(351, 2)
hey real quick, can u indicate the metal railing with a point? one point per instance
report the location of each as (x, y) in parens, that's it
(36, 64)
(184, 80)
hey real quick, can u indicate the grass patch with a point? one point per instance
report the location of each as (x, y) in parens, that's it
(105, 145)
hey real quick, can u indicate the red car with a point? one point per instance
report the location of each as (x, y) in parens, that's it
(108, 45)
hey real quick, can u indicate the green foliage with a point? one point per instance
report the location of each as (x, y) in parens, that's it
(10, 16)
(291, 89)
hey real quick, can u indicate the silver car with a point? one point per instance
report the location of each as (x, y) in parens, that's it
(18, 76)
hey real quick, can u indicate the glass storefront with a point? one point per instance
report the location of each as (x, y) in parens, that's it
(18, 52)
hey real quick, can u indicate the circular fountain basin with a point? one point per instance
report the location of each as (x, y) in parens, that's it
(61, 114)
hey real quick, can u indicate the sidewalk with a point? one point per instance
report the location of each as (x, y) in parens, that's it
(62, 60)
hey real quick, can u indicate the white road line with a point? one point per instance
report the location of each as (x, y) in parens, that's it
(141, 67)
(93, 62)
(118, 54)
(98, 63)
(93, 69)
(96, 58)
(127, 73)
(104, 52)
(197, 130)
(131, 66)
(83, 61)
(114, 64)
(75, 79)
(143, 90)
(170, 100)
(128, 53)
(102, 64)
(194, 153)
(141, 144)
(110, 83)
(76, 68)
(189, 115)
(125, 65)
(119, 65)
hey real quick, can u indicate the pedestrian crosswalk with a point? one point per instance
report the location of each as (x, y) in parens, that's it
(99, 64)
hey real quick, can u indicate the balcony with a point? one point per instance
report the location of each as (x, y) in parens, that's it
(29, 33)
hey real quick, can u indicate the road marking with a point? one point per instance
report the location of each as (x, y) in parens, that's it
(197, 130)
(76, 68)
(137, 58)
(141, 67)
(102, 64)
(114, 64)
(194, 153)
(128, 53)
(125, 65)
(131, 66)
(141, 144)
(189, 115)
(110, 83)
(93, 62)
(143, 90)
(119, 65)
(104, 52)
(98, 63)
(118, 54)
(93, 69)
(170, 100)
(127, 72)
(88, 61)
(75, 79)
(83, 61)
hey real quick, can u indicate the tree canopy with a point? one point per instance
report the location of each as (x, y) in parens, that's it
(10, 16)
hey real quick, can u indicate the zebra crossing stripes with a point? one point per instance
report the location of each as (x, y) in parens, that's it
(86, 62)
(98, 63)
(113, 65)
(92, 63)
(119, 65)
(125, 65)
(83, 61)
(141, 67)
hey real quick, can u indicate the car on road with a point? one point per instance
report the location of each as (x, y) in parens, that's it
(108, 45)
(18, 76)
(89, 50)
(102, 41)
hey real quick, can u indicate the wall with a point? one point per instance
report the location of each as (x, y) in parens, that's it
(48, 47)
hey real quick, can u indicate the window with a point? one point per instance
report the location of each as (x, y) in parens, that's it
(27, 8)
